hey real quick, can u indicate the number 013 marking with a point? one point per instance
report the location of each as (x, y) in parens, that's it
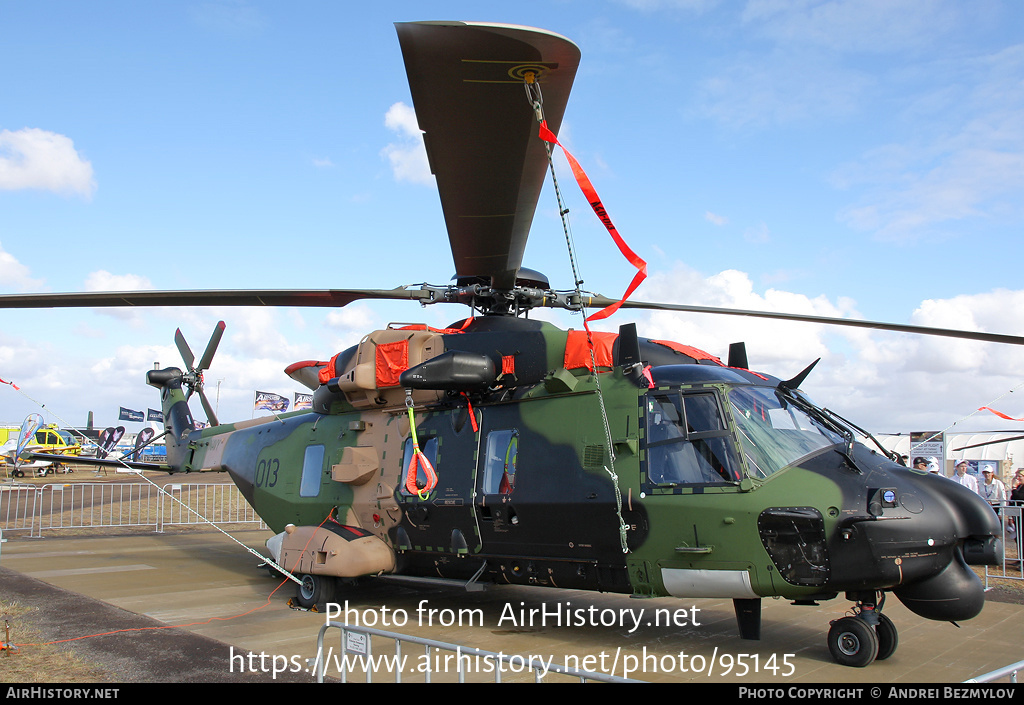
(266, 472)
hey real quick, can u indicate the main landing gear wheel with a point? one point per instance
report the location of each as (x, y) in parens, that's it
(314, 590)
(853, 642)
(888, 639)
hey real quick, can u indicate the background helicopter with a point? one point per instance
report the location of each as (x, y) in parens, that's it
(671, 474)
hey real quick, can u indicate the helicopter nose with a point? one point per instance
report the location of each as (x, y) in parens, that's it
(971, 533)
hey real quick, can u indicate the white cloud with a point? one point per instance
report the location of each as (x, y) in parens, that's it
(102, 280)
(16, 275)
(769, 342)
(758, 234)
(408, 158)
(966, 160)
(236, 18)
(884, 381)
(352, 318)
(881, 26)
(36, 159)
(696, 6)
(781, 88)
(715, 219)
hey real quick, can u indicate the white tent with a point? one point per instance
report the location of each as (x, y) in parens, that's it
(991, 445)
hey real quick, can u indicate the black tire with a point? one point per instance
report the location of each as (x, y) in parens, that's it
(315, 590)
(852, 642)
(888, 638)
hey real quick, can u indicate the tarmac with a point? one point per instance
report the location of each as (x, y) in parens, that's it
(196, 607)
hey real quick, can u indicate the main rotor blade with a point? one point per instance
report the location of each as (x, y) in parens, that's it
(468, 88)
(326, 298)
(602, 301)
(989, 443)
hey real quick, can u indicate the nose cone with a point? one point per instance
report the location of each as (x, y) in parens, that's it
(915, 534)
(979, 517)
(964, 529)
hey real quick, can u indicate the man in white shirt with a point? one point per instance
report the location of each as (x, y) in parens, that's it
(964, 477)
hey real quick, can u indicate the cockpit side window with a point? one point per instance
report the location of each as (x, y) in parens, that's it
(688, 442)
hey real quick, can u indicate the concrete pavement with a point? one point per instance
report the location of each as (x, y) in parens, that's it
(209, 587)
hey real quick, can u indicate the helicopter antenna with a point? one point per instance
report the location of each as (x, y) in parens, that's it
(799, 379)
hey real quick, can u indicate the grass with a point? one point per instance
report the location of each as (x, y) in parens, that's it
(45, 663)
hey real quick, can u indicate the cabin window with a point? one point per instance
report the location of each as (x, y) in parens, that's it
(312, 471)
(429, 448)
(47, 438)
(501, 462)
(688, 442)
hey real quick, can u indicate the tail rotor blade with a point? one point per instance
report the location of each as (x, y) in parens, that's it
(184, 349)
(211, 347)
(210, 416)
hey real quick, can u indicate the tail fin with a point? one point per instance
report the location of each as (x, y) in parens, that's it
(178, 421)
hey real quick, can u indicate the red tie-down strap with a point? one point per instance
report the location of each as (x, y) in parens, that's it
(999, 413)
(595, 202)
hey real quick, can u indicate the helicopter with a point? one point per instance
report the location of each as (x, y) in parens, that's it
(503, 449)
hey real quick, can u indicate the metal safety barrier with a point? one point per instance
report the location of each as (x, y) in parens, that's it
(115, 505)
(17, 506)
(438, 658)
(1013, 547)
(995, 675)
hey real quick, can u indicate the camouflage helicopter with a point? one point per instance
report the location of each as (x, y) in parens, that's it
(506, 450)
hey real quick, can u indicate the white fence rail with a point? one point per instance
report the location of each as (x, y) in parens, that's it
(110, 505)
(1011, 568)
(1004, 672)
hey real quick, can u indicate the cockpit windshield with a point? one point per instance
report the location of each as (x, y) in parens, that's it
(774, 431)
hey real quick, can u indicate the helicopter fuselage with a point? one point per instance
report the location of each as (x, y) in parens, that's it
(692, 480)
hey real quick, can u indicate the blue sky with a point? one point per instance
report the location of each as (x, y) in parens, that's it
(862, 159)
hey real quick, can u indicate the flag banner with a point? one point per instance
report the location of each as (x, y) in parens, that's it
(154, 415)
(31, 424)
(144, 437)
(999, 413)
(302, 401)
(108, 439)
(270, 402)
(131, 415)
